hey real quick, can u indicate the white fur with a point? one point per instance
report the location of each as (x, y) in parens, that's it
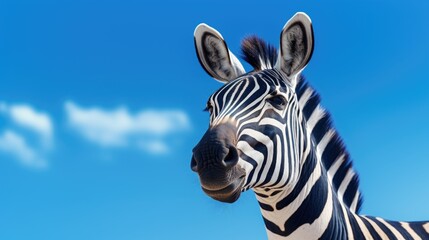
(413, 234)
(353, 206)
(391, 228)
(426, 227)
(376, 228)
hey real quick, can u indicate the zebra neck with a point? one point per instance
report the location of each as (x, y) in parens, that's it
(310, 210)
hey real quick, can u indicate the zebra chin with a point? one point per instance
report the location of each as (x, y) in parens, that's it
(228, 194)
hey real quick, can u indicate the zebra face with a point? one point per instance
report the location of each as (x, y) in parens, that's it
(245, 145)
(255, 132)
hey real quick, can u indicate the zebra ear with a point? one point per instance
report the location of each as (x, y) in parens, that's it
(215, 56)
(296, 44)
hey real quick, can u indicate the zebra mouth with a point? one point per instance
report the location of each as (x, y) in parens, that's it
(228, 194)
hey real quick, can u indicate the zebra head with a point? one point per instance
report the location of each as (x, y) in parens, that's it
(256, 132)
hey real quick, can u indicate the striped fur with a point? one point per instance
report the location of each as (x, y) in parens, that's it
(333, 154)
(294, 159)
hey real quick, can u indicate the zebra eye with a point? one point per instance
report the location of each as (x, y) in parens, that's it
(278, 101)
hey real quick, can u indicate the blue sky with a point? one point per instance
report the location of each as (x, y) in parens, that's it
(101, 104)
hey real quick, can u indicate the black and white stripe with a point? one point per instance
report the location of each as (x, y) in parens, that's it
(324, 201)
(294, 159)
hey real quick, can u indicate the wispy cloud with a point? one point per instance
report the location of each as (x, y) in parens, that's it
(27, 120)
(120, 128)
(16, 145)
(154, 146)
(26, 116)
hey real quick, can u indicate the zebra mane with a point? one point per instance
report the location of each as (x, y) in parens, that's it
(331, 148)
(259, 54)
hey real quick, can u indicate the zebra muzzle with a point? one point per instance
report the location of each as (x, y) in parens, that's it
(215, 160)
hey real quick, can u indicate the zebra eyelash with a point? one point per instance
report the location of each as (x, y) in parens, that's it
(208, 108)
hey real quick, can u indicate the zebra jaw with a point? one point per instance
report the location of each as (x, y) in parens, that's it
(228, 194)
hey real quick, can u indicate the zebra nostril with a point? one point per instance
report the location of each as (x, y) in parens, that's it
(194, 165)
(231, 158)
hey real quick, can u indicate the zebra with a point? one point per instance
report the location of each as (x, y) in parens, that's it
(269, 133)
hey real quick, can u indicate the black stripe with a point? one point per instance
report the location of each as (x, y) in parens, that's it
(266, 207)
(331, 153)
(340, 174)
(315, 201)
(336, 228)
(371, 229)
(351, 191)
(258, 146)
(357, 232)
(307, 170)
(418, 228)
(383, 228)
(252, 162)
(400, 229)
(311, 104)
(319, 129)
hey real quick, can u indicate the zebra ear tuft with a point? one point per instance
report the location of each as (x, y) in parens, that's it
(296, 44)
(214, 54)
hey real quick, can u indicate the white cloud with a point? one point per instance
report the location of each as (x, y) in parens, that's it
(31, 119)
(27, 117)
(17, 141)
(104, 128)
(154, 147)
(15, 145)
(119, 127)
